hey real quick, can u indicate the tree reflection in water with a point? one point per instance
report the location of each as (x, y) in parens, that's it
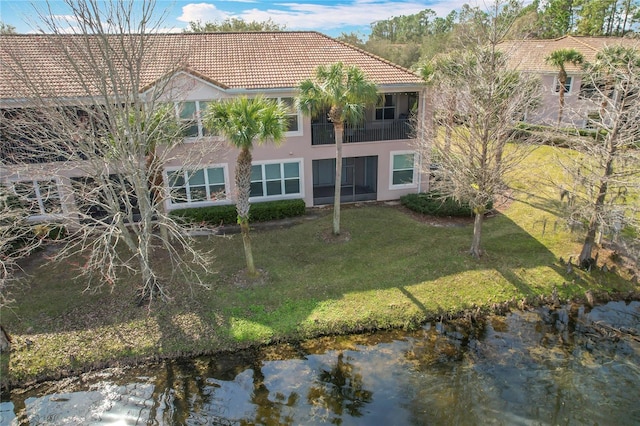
(268, 411)
(340, 389)
(529, 367)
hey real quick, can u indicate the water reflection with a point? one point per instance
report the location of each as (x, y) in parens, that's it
(566, 366)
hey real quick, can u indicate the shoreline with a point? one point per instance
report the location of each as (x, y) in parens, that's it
(473, 314)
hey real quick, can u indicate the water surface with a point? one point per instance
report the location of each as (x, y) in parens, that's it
(569, 366)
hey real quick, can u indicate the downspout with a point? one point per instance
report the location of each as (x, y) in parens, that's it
(423, 123)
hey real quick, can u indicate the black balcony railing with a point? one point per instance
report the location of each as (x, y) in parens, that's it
(323, 133)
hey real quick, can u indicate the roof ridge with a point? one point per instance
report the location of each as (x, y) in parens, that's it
(228, 61)
(577, 39)
(174, 34)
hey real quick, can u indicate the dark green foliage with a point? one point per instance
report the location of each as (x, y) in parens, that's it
(233, 25)
(214, 215)
(272, 210)
(227, 215)
(434, 204)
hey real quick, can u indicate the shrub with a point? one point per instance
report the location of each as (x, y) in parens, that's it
(226, 214)
(432, 203)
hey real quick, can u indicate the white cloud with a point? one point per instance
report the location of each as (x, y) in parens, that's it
(204, 12)
(64, 18)
(320, 15)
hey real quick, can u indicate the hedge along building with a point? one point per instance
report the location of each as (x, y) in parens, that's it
(379, 162)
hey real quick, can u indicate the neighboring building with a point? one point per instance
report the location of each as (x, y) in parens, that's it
(378, 155)
(529, 56)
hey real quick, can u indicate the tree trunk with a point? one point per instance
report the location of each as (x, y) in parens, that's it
(338, 130)
(589, 242)
(562, 82)
(248, 253)
(590, 238)
(5, 340)
(150, 286)
(156, 184)
(243, 188)
(476, 251)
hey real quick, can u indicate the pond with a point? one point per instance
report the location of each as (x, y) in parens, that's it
(571, 365)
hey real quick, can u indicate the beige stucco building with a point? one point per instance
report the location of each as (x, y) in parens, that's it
(530, 56)
(379, 160)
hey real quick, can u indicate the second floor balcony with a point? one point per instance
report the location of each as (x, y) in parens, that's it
(324, 134)
(389, 120)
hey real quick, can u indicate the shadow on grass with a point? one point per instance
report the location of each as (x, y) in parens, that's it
(542, 203)
(394, 270)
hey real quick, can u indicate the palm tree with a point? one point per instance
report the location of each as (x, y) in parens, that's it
(345, 92)
(559, 58)
(244, 121)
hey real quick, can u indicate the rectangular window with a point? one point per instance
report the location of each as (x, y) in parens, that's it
(188, 119)
(92, 197)
(386, 107)
(403, 169)
(567, 85)
(587, 90)
(293, 114)
(40, 197)
(275, 179)
(191, 115)
(193, 186)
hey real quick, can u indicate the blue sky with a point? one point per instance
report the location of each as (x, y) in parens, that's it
(331, 17)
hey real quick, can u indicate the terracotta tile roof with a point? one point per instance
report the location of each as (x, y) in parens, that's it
(529, 55)
(256, 60)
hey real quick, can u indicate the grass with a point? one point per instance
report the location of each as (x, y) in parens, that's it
(393, 271)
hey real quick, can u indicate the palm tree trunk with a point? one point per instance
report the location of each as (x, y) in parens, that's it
(476, 251)
(248, 253)
(338, 130)
(562, 82)
(243, 188)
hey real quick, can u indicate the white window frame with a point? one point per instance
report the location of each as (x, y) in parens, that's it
(38, 196)
(202, 203)
(282, 195)
(414, 177)
(293, 112)
(198, 117)
(556, 85)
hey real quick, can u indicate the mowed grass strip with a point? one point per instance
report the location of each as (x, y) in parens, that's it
(393, 270)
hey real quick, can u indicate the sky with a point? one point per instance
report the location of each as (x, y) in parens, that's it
(331, 17)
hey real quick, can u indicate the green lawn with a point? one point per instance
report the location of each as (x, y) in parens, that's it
(394, 271)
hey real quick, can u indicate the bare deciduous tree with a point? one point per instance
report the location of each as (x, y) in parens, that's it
(109, 142)
(605, 174)
(17, 240)
(475, 159)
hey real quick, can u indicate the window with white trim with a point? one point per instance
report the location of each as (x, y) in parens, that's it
(403, 169)
(190, 114)
(275, 179)
(567, 85)
(199, 185)
(293, 115)
(40, 197)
